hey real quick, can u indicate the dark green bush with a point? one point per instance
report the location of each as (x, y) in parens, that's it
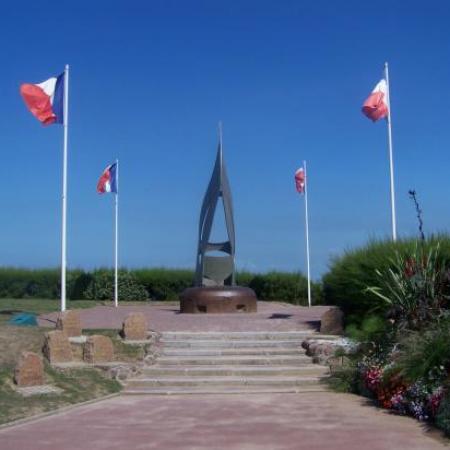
(286, 287)
(244, 278)
(28, 283)
(101, 286)
(425, 354)
(443, 414)
(345, 285)
(164, 284)
(158, 283)
(373, 328)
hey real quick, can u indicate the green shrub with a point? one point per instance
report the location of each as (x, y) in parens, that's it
(77, 283)
(164, 284)
(101, 286)
(425, 354)
(244, 278)
(373, 328)
(159, 284)
(28, 283)
(415, 288)
(285, 287)
(443, 414)
(345, 285)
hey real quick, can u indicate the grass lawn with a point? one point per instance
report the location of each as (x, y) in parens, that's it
(79, 385)
(39, 305)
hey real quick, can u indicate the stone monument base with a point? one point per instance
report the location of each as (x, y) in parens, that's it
(218, 300)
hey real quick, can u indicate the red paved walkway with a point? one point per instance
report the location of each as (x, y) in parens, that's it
(318, 421)
(321, 421)
(270, 317)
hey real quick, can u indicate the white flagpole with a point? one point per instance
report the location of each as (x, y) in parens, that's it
(391, 158)
(307, 235)
(64, 190)
(116, 240)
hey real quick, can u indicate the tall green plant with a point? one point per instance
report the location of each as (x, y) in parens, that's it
(425, 354)
(345, 284)
(414, 287)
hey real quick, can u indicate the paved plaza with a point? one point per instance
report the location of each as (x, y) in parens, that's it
(161, 317)
(269, 421)
(319, 421)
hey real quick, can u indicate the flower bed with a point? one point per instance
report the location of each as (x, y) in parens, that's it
(403, 357)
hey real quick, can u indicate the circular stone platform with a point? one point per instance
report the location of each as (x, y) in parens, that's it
(218, 300)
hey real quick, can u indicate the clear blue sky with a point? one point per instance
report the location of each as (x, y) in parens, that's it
(150, 80)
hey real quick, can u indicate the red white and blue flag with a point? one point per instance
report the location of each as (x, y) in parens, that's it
(300, 180)
(108, 180)
(376, 106)
(45, 100)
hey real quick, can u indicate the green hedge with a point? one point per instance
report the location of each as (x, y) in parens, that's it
(349, 275)
(142, 284)
(164, 284)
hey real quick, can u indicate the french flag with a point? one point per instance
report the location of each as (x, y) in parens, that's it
(45, 100)
(376, 106)
(300, 180)
(108, 180)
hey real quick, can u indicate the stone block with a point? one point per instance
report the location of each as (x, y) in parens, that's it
(57, 347)
(69, 323)
(98, 349)
(134, 327)
(332, 322)
(29, 370)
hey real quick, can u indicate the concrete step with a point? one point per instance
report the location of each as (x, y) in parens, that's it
(217, 390)
(232, 343)
(230, 381)
(244, 351)
(244, 335)
(233, 360)
(227, 363)
(241, 371)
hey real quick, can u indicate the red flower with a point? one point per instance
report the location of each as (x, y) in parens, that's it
(410, 268)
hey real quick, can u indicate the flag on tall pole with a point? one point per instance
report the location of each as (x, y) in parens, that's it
(49, 103)
(301, 186)
(109, 183)
(378, 106)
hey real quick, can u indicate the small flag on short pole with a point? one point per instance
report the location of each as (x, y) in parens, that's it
(49, 103)
(378, 106)
(301, 187)
(109, 183)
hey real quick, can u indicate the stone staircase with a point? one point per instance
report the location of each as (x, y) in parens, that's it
(231, 362)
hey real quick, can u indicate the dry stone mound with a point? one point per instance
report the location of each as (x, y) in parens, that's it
(29, 370)
(57, 347)
(98, 349)
(69, 323)
(134, 327)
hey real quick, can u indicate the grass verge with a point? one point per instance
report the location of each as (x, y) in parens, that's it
(79, 385)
